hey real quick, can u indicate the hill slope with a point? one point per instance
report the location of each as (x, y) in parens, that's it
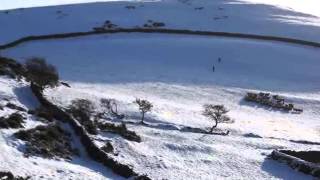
(176, 74)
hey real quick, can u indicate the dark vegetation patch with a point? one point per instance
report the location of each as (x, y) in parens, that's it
(130, 7)
(40, 73)
(47, 141)
(198, 8)
(81, 109)
(108, 148)
(305, 142)
(251, 135)
(105, 26)
(310, 156)
(10, 176)
(15, 120)
(65, 84)
(15, 107)
(154, 24)
(11, 68)
(44, 114)
(121, 129)
(273, 101)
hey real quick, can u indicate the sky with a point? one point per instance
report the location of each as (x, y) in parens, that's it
(304, 6)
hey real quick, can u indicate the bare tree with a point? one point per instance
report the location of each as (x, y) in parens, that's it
(217, 113)
(144, 107)
(40, 73)
(109, 105)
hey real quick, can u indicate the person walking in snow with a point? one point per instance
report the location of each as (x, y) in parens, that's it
(219, 59)
(213, 68)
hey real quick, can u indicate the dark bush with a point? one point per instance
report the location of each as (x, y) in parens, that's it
(11, 68)
(108, 148)
(15, 107)
(158, 24)
(15, 120)
(47, 141)
(81, 109)
(10, 176)
(40, 73)
(43, 114)
(121, 129)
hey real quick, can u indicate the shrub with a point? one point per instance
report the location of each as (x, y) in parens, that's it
(11, 68)
(144, 107)
(216, 113)
(108, 148)
(40, 73)
(10, 176)
(16, 107)
(44, 114)
(15, 120)
(47, 141)
(121, 129)
(81, 109)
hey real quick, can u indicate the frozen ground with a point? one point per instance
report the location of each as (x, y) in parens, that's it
(175, 73)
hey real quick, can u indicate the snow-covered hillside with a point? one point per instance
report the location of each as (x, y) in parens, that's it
(11, 159)
(175, 72)
(218, 15)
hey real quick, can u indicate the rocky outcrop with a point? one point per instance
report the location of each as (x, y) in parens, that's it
(303, 161)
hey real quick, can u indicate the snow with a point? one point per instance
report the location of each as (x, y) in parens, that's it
(174, 72)
(218, 15)
(11, 159)
(307, 6)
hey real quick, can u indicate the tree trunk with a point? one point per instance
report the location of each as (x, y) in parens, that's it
(142, 118)
(216, 124)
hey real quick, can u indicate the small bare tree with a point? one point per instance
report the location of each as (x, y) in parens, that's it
(217, 113)
(144, 107)
(109, 105)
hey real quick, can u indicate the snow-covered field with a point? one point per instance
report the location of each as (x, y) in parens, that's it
(175, 74)
(217, 15)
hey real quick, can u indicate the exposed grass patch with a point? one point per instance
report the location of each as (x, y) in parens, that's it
(121, 129)
(15, 120)
(47, 141)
